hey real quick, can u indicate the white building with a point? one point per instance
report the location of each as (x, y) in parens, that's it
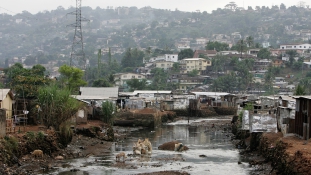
(166, 57)
(295, 46)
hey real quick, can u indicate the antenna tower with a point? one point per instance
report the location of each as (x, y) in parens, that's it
(77, 55)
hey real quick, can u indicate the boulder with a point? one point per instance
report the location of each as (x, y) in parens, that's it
(170, 146)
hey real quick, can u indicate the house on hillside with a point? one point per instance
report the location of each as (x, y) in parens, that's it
(277, 63)
(206, 53)
(165, 57)
(186, 82)
(261, 64)
(189, 64)
(166, 65)
(253, 52)
(121, 78)
(295, 46)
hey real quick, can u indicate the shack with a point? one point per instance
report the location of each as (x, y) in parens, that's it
(302, 117)
(215, 98)
(286, 114)
(94, 97)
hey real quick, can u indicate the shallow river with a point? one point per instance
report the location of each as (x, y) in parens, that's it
(221, 157)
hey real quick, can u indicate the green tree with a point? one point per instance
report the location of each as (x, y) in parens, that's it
(226, 83)
(56, 105)
(137, 84)
(175, 68)
(282, 6)
(291, 54)
(186, 53)
(264, 53)
(300, 90)
(218, 63)
(159, 80)
(215, 45)
(102, 82)
(193, 73)
(250, 41)
(241, 46)
(71, 78)
(108, 110)
(26, 82)
(132, 58)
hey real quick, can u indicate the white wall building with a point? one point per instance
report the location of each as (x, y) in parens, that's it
(295, 46)
(166, 57)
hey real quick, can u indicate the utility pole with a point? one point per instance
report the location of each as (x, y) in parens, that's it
(99, 55)
(77, 55)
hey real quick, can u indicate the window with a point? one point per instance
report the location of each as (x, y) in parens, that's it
(139, 76)
(304, 47)
(192, 66)
(208, 62)
(133, 76)
(187, 61)
(294, 46)
(187, 66)
(168, 56)
(162, 65)
(124, 76)
(173, 56)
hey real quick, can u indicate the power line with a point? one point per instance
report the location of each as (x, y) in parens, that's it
(15, 13)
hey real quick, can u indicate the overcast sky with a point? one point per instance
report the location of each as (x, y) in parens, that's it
(35, 6)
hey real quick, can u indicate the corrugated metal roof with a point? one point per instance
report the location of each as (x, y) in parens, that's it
(288, 98)
(211, 93)
(152, 92)
(85, 97)
(3, 93)
(306, 97)
(100, 91)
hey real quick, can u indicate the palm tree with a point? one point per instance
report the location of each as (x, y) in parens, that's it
(250, 41)
(241, 47)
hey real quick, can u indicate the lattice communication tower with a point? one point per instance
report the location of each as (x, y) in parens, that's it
(77, 55)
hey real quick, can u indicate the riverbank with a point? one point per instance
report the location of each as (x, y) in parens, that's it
(294, 153)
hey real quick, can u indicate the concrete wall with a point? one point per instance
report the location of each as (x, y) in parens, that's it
(81, 117)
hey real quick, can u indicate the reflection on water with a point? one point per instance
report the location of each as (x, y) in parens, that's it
(221, 156)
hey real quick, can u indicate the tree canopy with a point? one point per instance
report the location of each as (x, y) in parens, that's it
(71, 78)
(215, 45)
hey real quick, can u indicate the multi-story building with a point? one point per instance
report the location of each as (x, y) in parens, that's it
(166, 57)
(295, 46)
(163, 64)
(189, 64)
(121, 78)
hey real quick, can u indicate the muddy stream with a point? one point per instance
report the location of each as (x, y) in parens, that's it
(210, 152)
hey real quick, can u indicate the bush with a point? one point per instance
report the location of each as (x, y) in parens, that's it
(30, 136)
(40, 135)
(65, 133)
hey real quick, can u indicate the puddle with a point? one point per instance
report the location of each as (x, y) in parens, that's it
(210, 152)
